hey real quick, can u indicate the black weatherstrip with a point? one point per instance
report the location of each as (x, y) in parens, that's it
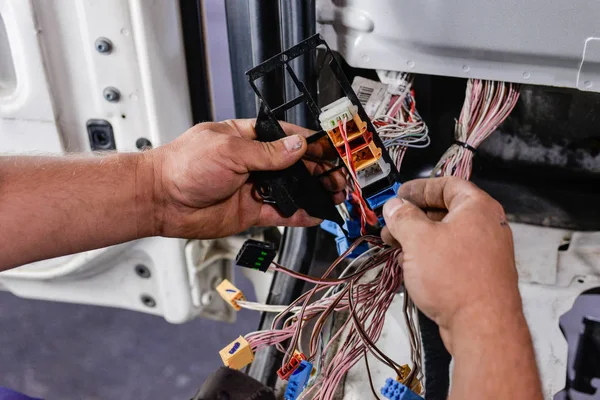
(195, 58)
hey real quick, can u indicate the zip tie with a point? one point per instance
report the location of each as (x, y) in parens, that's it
(466, 146)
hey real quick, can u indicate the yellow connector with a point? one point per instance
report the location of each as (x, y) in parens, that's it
(414, 385)
(237, 354)
(230, 293)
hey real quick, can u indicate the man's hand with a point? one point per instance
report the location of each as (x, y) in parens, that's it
(457, 248)
(459, 269)
(194, 187)
(201, 187)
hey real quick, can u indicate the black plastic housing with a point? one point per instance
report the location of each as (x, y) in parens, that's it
(256, 255)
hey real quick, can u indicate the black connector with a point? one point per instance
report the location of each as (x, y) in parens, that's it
(256, 255)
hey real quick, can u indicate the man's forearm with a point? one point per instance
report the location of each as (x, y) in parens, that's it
(52, 206)
(494, 358)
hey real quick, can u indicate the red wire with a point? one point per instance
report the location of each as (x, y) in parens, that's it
(367, 215)
(347, 146)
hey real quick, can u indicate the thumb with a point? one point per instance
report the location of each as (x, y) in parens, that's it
(272, 156)
(404, 221)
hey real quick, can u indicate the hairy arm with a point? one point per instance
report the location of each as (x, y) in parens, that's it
(493, 356)
(195, 187)
(51, 206)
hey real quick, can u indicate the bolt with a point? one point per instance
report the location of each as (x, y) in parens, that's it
(142, 271)
(111, 94)
(148, 301)
(103, 45)
(143, 144)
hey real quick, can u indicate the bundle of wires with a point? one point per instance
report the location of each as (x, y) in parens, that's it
(401, 126)
(487, 104)
(362, 294)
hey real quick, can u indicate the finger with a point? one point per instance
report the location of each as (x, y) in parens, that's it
(387, 238)
(436, 215)
(267, 156)
(291, 129)
(438, 193)
(321, 149)
(245, 128)
(338, 197)
(405, 221)
(269, 216)
(334, 182)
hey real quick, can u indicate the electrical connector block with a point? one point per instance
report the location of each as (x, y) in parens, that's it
(373, 173)
(380, 198)
(288, 369)
(230, 294)
(256, 255)
(298, 381)
(337, 111)
(394, 390)
(364, 153)
(237, 354)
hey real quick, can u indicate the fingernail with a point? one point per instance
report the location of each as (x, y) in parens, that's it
(292, 143)
(391, 206)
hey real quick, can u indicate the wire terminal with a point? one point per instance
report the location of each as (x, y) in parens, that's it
(230, 294)
(414, 384)
(256, 255)
(287, 370)
(394, 390)
(237, 354)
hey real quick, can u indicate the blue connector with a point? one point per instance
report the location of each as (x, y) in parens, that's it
(394, 390)
(343, 241)
(298, 380)
(380, 198)
(331, 227)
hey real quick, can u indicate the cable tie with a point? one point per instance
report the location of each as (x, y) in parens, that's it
(466, 146)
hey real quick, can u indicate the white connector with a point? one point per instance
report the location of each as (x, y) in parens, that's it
(373, 173)
(337, 111)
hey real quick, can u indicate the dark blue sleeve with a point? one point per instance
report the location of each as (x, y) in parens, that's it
(7, 394)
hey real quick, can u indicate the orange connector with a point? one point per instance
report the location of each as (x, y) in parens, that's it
(230, 293)
(237, 354)
(355, 128)
(287, 370)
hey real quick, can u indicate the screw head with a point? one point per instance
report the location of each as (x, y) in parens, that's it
(207, 298)
(143, 144)
(148, 301)
(111, 94)
(142, 271)
(103, 45)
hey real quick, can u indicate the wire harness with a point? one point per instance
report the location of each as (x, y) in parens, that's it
(487, 105)
(360, 295)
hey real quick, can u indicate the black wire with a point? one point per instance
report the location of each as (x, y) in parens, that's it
(370, 378)
(391, 363)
